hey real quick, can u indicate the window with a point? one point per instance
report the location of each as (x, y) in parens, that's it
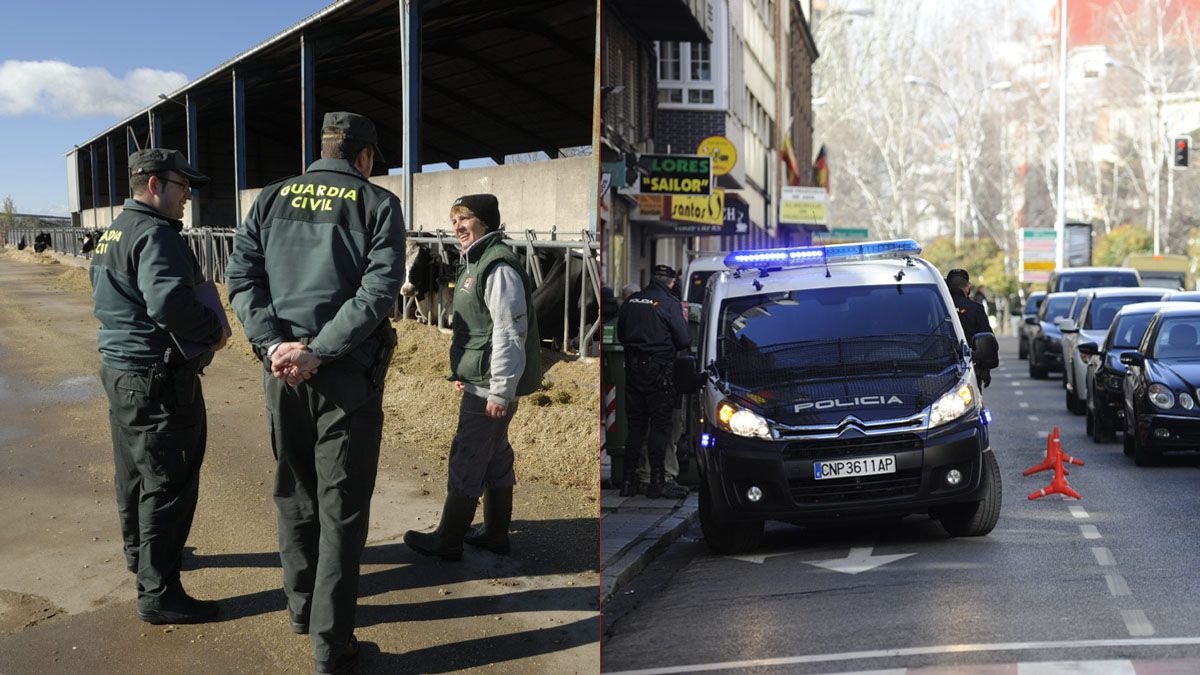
(685, 73)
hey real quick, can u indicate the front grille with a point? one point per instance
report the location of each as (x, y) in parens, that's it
(850, 447)
(808, 490)
(900, 484)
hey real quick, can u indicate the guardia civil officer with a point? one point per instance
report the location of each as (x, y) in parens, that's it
(315, 268)
(652, 329)
(971, 314)
(143, 275)
(495, 357)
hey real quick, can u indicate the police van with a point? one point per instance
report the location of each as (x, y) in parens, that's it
(835, 383)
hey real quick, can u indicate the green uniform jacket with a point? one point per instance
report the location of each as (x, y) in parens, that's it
(319, 258)
(142, 276)
(471, 345)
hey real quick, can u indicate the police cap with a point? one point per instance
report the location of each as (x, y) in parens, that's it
(161, 160)
(340, 126)
(663, 271)
(956, 272)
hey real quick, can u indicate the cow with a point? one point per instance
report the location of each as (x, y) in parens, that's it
(89, 241)
(21, 244)
(42, 242)
(428, 276)
(548, 300)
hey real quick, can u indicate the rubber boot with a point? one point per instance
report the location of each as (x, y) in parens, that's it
(446, 542)
(497, 514)
(655, 488)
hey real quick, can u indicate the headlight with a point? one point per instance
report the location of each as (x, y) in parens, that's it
(953, 405)
(742, 422)
(1186, 401)
(1162, 396)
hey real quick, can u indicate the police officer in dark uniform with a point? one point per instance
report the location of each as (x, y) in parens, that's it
(143, 277)
(971, 314)
(652, 329)
(316, 267)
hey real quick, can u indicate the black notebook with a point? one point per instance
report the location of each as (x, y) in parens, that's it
(206, 294)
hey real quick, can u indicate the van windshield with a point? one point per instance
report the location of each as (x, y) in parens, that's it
(835, 332)
(1081, 280)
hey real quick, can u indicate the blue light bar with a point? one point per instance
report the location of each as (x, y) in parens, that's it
(813, 256)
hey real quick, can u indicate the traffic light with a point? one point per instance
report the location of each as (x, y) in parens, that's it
(1181, 150)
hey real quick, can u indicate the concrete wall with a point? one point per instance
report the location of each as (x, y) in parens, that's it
(98, 218)
(535, 196)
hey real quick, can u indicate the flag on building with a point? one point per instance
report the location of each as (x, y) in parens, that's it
(789, 160)
(821, 170)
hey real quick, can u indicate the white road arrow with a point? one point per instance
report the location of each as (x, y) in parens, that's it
(859, 560)
(759, 558)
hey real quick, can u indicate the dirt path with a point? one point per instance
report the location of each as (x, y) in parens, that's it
(67, 603)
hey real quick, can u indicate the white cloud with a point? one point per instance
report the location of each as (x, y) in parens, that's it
(63, 90)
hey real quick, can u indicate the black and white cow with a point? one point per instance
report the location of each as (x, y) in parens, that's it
(548, 299)
(428, 275)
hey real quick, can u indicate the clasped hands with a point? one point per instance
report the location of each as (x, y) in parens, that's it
(294, 363)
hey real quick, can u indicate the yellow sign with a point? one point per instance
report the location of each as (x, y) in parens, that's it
(650, 205)
(709, 210)
(1039, 265)
(724, 155)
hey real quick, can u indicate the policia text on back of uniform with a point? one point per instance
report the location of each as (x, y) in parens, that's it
(143, 278)
(316, 266)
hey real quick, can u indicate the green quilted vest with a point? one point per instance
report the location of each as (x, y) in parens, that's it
(471, 346)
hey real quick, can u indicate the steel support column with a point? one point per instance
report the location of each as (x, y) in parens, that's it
(95, 180)
(308, 102)
(155, 129)
(131, 146)
(112, 178)
(410, 74)
(239, 143)
(193, 155)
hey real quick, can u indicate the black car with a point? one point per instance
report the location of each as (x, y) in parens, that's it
(1161, 413)
(1105, 372)
(1045, 340)
(1032, 305)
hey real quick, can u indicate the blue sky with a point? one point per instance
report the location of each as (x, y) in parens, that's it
(69, 70)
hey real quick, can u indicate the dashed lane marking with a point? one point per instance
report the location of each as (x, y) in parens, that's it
(921, 651)
(1023, 404)
(1136, 623)
(1033, 418)
(1089, 531)
(1018, 393)
(1078, 511)
(1104, 557)
(1116, 585)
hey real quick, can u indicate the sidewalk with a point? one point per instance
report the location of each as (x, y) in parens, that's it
(635, 531)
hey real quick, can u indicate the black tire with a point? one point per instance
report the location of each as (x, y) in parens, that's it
(1143, 454)
(1022, 349)
(1076, 405)
(726, 538)
(1090, 424)
(976, 519)
(1036, 372)
(1128, 440)
(1102, 431)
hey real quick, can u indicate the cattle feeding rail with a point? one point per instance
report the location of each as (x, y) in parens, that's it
(573, 262)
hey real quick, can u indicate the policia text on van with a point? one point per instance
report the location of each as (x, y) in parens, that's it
(836, 383)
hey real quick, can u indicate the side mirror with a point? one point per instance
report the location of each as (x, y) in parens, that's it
(687, 378)
(1133, 359)
(1031, 320)
(986, 352)
(1089, 348)
(1068, 326)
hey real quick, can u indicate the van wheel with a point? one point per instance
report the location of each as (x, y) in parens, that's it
(722, 537)
(976, 519)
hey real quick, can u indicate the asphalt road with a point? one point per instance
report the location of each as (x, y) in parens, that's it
(1107, 577)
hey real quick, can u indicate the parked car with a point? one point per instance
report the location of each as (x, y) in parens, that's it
(1045, 340)
(1098, 308)
(1079, 278)
(1160, 386)
(1032, 305)
(1182, 296)
(1105, 372)
(1072, 314)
